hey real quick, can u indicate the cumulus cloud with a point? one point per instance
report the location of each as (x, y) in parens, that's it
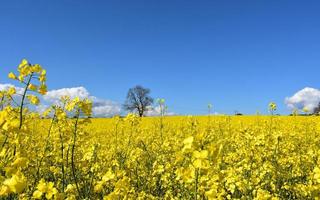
(19, 91)
(156, 111)
(41, 108)
(105, 108)
(54, 96)
(306, 98)
(6, 86)
(100, 107)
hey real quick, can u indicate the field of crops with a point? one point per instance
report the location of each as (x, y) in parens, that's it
(56, 156)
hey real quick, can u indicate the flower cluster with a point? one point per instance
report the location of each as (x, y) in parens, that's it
(64, 154)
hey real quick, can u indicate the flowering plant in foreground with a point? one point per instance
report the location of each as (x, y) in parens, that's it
(67, 155)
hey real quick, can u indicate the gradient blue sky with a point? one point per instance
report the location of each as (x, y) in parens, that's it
(238, 55)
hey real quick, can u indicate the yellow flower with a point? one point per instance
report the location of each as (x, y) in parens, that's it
(199, 163)
(200, 159)
(20, 162)
(42, 78)
(263, 195)
(37, 194)
(98, 187)
(42, 186)
(12, 91)
(16, 183)
(12, 75)
(42, 89)
(200, 155)
(188, 140)
(36, 68)
(4, 191)
(23, 63)
(46, 112)
(33, 99)
(272, 106)
(32, 87)
(186, 174)
(316, 174)
(187, 143)
(211, 194)
(45, 188)
(51, 191)
(108, 176)
(70, 106)
(21, 78)
(14, 123)
(70, 188)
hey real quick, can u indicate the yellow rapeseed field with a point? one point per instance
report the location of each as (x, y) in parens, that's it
(63, 154)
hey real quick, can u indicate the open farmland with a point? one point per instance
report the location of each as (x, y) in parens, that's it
(254, 157)
(159, 100)
(62, 153)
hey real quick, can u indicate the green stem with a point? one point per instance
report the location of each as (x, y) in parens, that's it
(23, 98)
(196, 185)
(72, 154)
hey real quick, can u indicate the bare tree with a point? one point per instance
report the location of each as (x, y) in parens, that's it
(138, 99)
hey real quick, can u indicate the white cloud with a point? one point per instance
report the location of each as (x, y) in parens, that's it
(16, 97)
(100, 107)
(104, 108)
(156, 111)
(41, 108)
(54, 96)
(6, 86)
(306, 98)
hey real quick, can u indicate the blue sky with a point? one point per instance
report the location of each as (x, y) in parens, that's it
(238, 55)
